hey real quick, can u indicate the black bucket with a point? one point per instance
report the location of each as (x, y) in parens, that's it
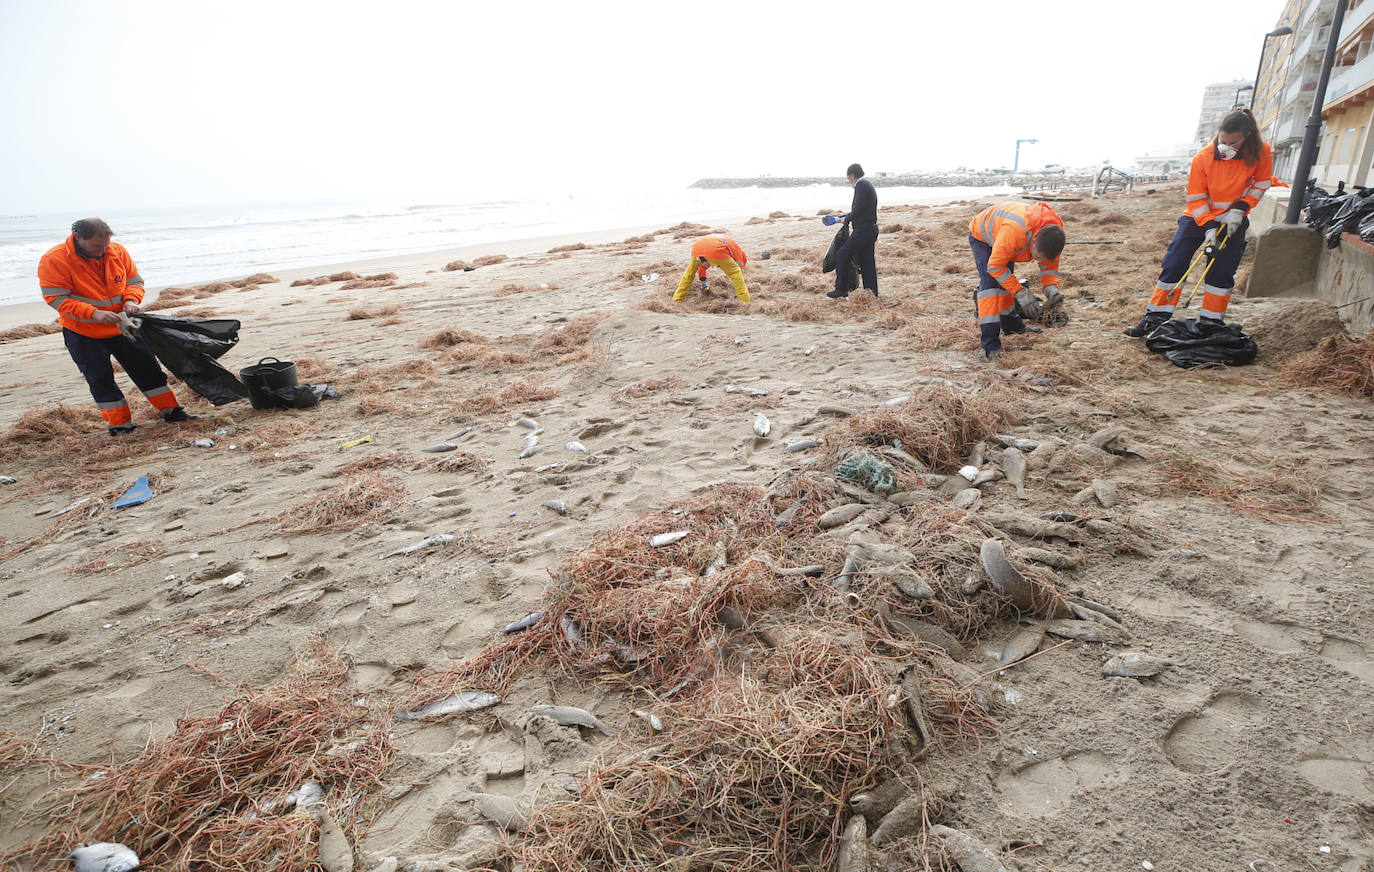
(268, 373)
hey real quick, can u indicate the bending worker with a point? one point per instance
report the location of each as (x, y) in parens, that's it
(93, 284)
(999, 236)
(716, 250)
(1227, 179)
(862, 222)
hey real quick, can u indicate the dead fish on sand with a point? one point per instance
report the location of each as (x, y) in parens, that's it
(500, 810)
(576, 446)
(654, 721)
(572, 632)
(427, 542)
(1014, 467)
(557, 505)
(663, 539)
(527, 423)
(459, 703)
(967, 852)
(440, 448)
(459, 435)
(525, 623)
(1005, 579)
(753, 392)
(571, 716)
(104, 857)
(1017, 442)
(1085, 631)
(762, 426)
(801, 445)
(1022, 644)
(1135, 664)
(529, 448)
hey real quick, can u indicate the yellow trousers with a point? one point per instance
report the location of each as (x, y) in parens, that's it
(727, 266)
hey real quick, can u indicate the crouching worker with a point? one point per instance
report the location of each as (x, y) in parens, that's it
(1226, 180)
(1000, 236)
(716, 250)
(93, 284)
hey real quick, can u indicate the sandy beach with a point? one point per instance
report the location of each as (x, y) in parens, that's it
(279, 611)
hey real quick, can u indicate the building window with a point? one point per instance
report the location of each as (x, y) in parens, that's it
(1351, 137)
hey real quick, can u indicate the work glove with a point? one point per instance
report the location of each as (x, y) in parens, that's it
(829, 220)
(703, 284)
(1027, 304)
(1209, 236)
(1231, 221)
(1053, 299)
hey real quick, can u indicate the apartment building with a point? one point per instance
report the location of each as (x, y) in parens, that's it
(1217, 100)
(1347, 149)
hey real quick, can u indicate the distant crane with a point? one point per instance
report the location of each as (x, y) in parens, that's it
(1016, 164)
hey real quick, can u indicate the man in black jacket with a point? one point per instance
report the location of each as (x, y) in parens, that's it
(863, 225)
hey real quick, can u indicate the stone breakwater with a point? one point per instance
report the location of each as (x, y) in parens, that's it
(1026, 180)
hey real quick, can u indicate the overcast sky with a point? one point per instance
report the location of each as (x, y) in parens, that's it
(146, 103)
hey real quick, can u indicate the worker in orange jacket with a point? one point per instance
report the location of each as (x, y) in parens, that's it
(1226, 180)
(716, 250)
(93, 284)
(1001, 235)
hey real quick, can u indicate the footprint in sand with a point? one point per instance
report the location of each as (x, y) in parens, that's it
(1212, 738)
(1280, 638)
(1349, 655)
(1043, 789)
(1353, 778)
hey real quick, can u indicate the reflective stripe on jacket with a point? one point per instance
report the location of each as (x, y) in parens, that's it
(76, 286)
(718, 246)
(1215, 185)
(1010, 229)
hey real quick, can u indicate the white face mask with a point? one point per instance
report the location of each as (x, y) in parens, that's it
(1227, 151)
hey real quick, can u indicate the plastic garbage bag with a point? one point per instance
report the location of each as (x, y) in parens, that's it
(301, 396)
(190, 348)
(1189, 342)
(828, 264)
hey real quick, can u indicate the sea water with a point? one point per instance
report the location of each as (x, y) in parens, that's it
(200, 244)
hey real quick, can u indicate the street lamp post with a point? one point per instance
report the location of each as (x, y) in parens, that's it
(1308, 155)
(1278, 31)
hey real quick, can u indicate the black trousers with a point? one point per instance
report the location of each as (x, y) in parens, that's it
(859, 249)
(92, 357)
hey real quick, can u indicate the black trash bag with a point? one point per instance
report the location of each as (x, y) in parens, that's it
(1190, 342)
(828, 264)
(301, 396)
(190, 348)
(1347, 219)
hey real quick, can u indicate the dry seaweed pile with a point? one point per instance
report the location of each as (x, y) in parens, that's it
(1342, 363)
(216, 793)
(791, 667)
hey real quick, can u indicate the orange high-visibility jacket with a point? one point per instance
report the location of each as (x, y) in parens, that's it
(1215, 185)
(76, 286)
(1010, 229)
(719, 247)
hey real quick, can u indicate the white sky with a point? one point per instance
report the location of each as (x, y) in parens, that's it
(145, 103)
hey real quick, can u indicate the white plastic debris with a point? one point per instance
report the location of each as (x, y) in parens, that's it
(204, 443)
(663, 539)
(969, 472)
(648, 278)
(427, 542)
(1146, 864)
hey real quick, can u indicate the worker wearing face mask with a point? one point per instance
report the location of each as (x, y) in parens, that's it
(1227, 179)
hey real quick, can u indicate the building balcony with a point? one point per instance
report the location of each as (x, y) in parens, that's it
(1351, 79)
(1302, 88)
(1288, 132)
(1321, 8)
(1311, 47)
(1355, 19)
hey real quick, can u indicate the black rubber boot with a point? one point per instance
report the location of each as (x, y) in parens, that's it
(177, 415)
(121, 429)
(1146, 326)
(837, 295)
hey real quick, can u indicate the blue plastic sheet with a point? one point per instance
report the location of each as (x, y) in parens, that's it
(137, 495)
